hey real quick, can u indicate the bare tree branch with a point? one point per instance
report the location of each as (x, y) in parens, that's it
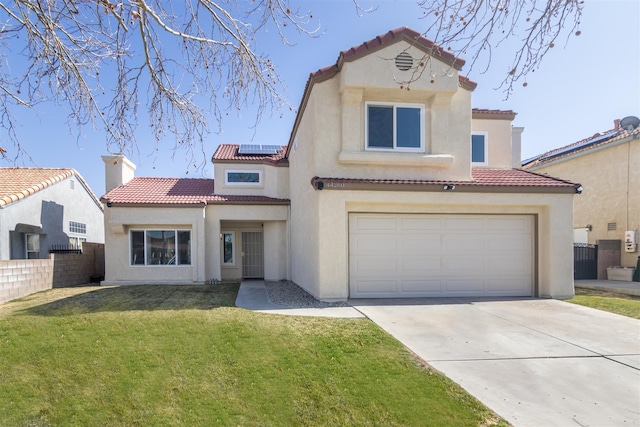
(184, 62)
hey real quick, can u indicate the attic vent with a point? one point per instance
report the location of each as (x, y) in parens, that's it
(404, 61)
(612, 226)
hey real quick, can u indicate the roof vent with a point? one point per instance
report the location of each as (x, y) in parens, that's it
(404, 61)
(629, 123)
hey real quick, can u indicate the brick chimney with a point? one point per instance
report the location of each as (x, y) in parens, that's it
(118, 170)
(616, 124)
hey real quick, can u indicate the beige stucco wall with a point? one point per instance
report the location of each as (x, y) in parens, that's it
(499, 138)
(338, 123)
(120, 220)
(610, 179)
(275, 180)
(270, 218)
(554, 234)
(205, 224)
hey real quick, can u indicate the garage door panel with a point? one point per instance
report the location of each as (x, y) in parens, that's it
(441, 255)
(462, 223)
(463, 265)
(515, 286)
(469, 286)
(431, 265)
(375, 287)
(509, 265)
(428, 244)
(377, 224)
(508, 224)
(461, 243)
(421, 287)
(376, 265)
(375, 245)
(419, 223)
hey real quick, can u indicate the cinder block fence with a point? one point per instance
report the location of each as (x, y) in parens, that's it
(22, 277)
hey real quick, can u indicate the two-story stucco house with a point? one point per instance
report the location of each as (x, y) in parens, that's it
(44, 208)
(381, 191)
(607, 165)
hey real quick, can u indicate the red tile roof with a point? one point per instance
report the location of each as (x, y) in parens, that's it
(581, 147)
(177, 191)
(484, 113)
(229, 152)
(18, 183)
(510, 180)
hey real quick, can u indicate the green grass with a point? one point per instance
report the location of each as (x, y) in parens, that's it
(626, 305)
(166, 355)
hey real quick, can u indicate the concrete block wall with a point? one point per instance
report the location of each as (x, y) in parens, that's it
(22, 277)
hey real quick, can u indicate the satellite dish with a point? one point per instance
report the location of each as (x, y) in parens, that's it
(630, 123)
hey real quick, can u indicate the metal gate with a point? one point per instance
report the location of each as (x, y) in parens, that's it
(585, 261)
(252, 255)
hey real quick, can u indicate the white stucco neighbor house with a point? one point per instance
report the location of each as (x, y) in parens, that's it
(42, 209)
(391, 185)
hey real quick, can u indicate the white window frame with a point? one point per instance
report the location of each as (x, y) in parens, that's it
(395, 105)
(26, 246)
(233, 248)
(77, 227)
(486, 149)
(243, 184)
(177, 245)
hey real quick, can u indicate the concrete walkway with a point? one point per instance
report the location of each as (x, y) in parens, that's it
(629, 288)
(253, 296)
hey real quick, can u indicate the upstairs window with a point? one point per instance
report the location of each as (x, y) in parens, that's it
(395, 127)
(479, 149)
(77, 227)
(240, 177)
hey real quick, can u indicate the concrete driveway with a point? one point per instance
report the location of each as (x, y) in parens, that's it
(535, 362)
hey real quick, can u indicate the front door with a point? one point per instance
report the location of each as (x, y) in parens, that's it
(252, 255)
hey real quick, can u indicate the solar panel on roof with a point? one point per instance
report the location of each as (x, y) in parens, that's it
(258, 149)
(586, 143)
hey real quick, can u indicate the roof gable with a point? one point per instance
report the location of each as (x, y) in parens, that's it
(413, 37)
(18, 183)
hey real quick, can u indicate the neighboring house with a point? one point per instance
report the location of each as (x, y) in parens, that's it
(43, 208)
(607, 165)
(381, 191)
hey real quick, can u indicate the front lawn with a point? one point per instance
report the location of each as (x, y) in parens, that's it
(626, 305)
(185, 355)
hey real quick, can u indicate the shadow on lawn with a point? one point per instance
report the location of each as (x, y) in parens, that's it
(142, 297)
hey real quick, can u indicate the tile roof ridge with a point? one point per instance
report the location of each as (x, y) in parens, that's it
(34, 188)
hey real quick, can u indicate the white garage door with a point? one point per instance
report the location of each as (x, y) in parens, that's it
(397, 255)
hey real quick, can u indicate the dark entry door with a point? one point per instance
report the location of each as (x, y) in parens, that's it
(252, 255)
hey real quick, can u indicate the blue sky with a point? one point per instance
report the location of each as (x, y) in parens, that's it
(578, 91)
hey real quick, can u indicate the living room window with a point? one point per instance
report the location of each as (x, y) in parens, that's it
(394, 126)
(479, 149)
(160, 247)
(243, 177)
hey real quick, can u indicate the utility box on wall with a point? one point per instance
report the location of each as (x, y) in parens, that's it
(630, 241)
